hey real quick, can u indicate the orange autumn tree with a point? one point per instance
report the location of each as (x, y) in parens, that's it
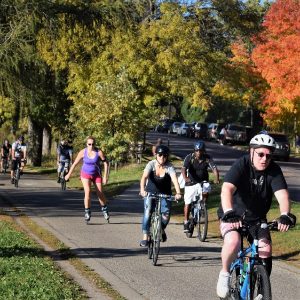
(277, 56)
(242, 82)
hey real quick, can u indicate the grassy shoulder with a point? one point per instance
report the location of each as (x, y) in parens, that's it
(26, 270)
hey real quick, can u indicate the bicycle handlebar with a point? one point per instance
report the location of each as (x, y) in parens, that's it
(159, 195)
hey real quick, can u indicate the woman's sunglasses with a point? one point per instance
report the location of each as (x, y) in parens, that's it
(164, 155)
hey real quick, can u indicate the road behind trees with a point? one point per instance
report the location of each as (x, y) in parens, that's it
(186, 268)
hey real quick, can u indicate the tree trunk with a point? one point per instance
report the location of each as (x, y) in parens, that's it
(47, 138)
(35, 142)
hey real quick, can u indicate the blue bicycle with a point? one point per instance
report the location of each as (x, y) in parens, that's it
(249, 277)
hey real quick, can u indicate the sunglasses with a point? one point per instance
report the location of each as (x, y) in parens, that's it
(91, 144)
(261, 155)
(160, 155)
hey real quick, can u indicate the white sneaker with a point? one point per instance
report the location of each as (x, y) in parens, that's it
(223, 285)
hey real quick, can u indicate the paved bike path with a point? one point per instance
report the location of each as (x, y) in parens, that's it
(186, 267)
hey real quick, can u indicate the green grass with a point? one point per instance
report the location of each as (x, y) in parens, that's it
(27, 272)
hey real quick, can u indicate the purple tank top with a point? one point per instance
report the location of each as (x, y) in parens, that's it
(90, 165)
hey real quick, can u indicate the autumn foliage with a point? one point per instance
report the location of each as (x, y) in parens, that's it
(277, 56)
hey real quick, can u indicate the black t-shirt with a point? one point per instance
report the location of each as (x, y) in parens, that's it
(6, 149)
(197, 170)
(255, 189)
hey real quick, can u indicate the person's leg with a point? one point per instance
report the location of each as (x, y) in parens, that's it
(166, 213)
(87, 192)
(189, 195)
(231, 246)
(265, 248)
(101, 197)
(146, 217)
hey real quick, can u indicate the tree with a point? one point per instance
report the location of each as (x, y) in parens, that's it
(276, 54)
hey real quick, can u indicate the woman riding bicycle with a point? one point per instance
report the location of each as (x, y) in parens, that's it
(247, 190)
(157, 178)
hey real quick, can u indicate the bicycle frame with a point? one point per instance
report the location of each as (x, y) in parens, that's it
(156, 226)
(247, 259)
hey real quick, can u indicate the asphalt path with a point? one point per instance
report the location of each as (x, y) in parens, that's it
(186, 268)
(224, 156)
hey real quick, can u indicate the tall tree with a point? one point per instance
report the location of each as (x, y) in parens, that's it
(277, 56)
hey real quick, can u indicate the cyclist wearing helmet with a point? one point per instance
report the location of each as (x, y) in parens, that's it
(157, 178)
(247, 191)
(195, 170)
(64, 157)
(18, 156)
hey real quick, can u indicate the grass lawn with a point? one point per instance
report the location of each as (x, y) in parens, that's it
(27, 272)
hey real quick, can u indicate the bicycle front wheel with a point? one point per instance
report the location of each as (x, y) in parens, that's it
(63, 184)
(202, 223)
(17, 177)
(260, 283)
(156, 237)
(234, 284)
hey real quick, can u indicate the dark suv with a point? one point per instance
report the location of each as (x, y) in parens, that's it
(282, 146)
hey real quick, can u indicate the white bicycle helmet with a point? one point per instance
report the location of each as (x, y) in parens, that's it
(262, 141)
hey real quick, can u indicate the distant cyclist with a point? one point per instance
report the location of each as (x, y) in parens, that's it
(5, 152)
(247, 190)
(64, 157)
(195, 170)
(158, 176)
(18, 156)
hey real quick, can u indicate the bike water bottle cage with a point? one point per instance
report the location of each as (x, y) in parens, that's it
(231, 217)
(288, 219)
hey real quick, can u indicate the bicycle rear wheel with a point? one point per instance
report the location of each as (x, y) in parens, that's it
(202, 223)
(156, 236)
(260, 283)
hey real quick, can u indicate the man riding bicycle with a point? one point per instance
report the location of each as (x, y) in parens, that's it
(247, 191)
(194, 172)
(5, 153)
(18, 156)
(64, 157)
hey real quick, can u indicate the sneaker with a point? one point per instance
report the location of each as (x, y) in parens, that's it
(186, 227)
(105, 212)
(87, 215)
(223, 285)
(163, 236)
(144, 243)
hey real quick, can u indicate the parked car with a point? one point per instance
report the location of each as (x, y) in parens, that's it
(201, 130)
(183, 129)
(174, 127)
(165, 126)
(213, 130)
(282, 146)
(234, 134)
